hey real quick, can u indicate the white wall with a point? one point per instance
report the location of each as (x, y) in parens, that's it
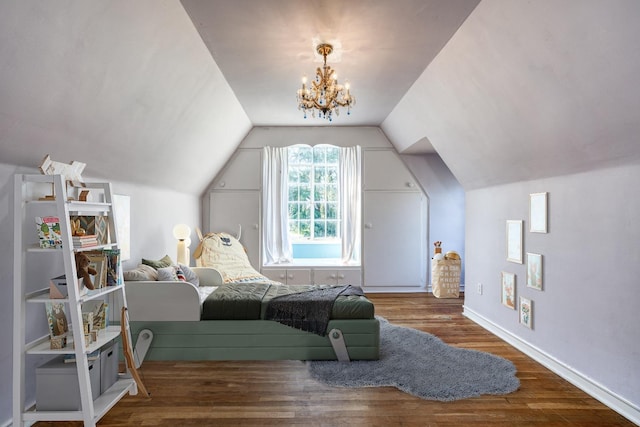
(446, 203)
(446, 196)
(259, 137)
(586, 315)
(154, 212)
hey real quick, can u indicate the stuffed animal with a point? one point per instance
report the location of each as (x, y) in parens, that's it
(76, 230)
(84, 269)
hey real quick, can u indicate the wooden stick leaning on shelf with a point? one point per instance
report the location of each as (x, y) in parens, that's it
(128, 352)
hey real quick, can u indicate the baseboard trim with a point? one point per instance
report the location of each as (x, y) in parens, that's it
(584, 383)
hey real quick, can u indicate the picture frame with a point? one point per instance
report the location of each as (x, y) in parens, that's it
(538, 212)
(534, 271)
(514, 241)
(526, 312)
(508, 283)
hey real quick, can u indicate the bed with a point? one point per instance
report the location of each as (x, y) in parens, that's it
(206, 320)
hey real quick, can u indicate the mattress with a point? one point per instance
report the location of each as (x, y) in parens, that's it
(249, 301)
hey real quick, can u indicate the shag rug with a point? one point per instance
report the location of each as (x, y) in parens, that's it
(421, 364)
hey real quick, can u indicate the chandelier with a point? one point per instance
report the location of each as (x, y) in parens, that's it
(324, 94)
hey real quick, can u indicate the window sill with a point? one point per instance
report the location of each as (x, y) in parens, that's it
(313, 262)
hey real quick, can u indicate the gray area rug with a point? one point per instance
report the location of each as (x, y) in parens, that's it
(421, 364)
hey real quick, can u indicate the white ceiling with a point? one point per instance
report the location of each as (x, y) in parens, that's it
(263, 48)
(161, 92)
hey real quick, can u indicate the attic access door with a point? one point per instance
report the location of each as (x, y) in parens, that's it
(395, 240)
(230, 209)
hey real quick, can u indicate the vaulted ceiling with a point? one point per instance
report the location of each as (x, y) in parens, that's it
(162, 92)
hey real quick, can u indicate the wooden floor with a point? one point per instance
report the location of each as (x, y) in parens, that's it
(281, 393)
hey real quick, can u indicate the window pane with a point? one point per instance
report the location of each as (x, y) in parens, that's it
(304, 175)
(319, 211)
(319, 154)
(294, 228)
(294, 175)
(331, 193)
(332, 229)
(294, 193)
(332, 211)
(332, 174)
(333, 154)
(319, 193)
(320, 174)
(319, 229)
(305, 193)
(305, 211)
(305, 229)
(293, 211)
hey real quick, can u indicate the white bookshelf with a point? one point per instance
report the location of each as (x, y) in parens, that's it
(27, 206)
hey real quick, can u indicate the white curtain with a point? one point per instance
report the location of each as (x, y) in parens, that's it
(275, 229)
(350, 200)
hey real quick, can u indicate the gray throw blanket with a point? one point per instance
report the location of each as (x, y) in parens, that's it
(309, 311)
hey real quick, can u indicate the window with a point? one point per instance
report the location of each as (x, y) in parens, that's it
(311, 205)
(313, 201)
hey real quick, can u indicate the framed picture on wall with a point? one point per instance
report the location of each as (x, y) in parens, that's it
(514, 241)
(538, 212)
(508, 289)
(526, 312)
(534, 271)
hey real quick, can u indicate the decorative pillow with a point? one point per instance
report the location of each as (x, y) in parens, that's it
(165, 261)
(141, 273)
(190, 275)
(167, 274)
(225, 253)
(180, 274)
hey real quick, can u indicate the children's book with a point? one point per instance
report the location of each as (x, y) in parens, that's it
(99, 310)
(48, 228)
(71, 358)
(114, 276)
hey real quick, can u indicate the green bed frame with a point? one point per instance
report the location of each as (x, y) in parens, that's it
(253, 340)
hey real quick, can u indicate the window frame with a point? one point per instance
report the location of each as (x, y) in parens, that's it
(314, 184)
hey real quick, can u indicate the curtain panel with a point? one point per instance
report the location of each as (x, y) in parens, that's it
(350, 202)
(276, 246)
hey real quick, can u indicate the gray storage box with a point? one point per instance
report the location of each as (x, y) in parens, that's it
(108, 366)
(57, 387)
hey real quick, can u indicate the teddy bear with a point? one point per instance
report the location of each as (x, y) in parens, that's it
(84, 269)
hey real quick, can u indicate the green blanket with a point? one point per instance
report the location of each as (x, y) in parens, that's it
(248, 301)
(308, 311)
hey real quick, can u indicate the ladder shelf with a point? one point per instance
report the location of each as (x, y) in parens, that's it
(29, 290)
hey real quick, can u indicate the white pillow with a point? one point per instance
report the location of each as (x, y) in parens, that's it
(190, 275)
(167, 274)
(141, 273)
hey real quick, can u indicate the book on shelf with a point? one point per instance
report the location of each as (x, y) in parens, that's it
(71, 358)
(98, 261)
(99, 310)
(58, 324)
(85, 242)
(114, 273)
(49, 233)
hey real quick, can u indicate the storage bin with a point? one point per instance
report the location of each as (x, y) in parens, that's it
(57, 386)
(108, 366)
(445, 278)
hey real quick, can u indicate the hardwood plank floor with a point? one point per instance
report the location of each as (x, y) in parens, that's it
(281, 393)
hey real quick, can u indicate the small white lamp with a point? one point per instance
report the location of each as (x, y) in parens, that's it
(182, 233)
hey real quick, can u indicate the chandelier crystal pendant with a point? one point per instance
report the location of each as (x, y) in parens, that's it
(324, 94)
